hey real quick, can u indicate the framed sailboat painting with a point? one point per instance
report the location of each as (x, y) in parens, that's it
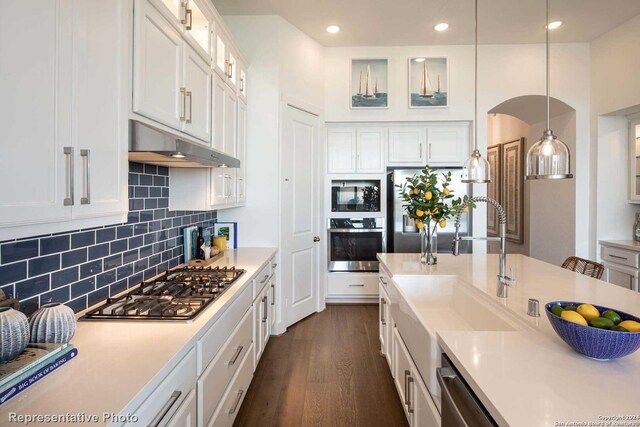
(428, 82)
(369, 83)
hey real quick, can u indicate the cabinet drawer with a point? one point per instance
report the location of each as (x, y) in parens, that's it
(621, 256)
(261, 279)
(233, 397)
(213, 340)
(349, 284)
(169, 395)
(218, 374)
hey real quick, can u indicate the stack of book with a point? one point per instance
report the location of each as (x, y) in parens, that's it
(36, 361)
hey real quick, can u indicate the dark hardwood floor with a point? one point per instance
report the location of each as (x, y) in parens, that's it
(325, 370)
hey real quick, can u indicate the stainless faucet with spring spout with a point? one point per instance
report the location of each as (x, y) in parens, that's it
(503, 281)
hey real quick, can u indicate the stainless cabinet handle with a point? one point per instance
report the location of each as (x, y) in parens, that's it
(410, 404)
(69, 176)
(230, 69)
(241, 187)
(359, 285)
(183, 104)
(237, 402)
(274, 265)
(406, 384)
(382, 280)
(242, 85)
(86, 178)
(188, 22)
(166, 408)
(429, 152)
(264, 316)
(235, 356)
(263, 281)
(382, 319)
(273, 294)
(618, 257)
(420, 150)
(188, 95)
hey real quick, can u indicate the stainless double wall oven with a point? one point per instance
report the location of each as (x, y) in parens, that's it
(354, 243)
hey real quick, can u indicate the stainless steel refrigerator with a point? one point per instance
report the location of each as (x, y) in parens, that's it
(402, 236)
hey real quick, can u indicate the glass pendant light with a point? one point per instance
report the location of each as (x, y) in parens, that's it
(549, 158)
(476, 169)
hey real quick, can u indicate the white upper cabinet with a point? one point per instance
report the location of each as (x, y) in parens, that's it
(197, 96)
(241, 150)
(198, 28)
(222, 54)
(157, 66)
(218, 112)
(370, 150)
(231, 122)
(447, 144)
(341, 150)
(72, 163)
(406, 146)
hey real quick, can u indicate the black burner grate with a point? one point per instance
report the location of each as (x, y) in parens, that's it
(179, 294)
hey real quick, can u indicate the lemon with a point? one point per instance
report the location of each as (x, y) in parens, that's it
(427, 212)
(416, 191)
(428, 195)
(630, 325)
(419, 224)
(443, 223)
(588, 311)
(419, 212)
(446, 191)
(573, 316)
(466, 209)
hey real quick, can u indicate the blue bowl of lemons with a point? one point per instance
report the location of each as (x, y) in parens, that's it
(597, 332)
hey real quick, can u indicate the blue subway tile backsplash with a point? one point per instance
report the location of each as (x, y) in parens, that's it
(83, 267)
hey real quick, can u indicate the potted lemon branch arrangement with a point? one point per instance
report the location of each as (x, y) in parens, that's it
(430, 203)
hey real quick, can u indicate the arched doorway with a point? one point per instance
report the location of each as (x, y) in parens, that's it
(547, 215)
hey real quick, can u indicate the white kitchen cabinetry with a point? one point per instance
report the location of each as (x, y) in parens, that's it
(447, 144)
(241, 150)
(189, 17)
(356, 150)
(187, 413)
(218, 113)
(385, 321)
(622, 263)
(417, 403)
(343, 285)
(77, 96)
(171, 76)
(341, 150)
(407, 146)
(273, 284)
(261, 312)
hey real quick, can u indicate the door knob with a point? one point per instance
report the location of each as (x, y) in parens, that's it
(316, 239)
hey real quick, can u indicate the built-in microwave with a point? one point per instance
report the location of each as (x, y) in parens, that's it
(355, 195)
(355, 242)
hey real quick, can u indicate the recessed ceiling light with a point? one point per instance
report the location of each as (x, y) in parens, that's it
(419, 59)
(441, 26)
(555, 24)
(333, 29)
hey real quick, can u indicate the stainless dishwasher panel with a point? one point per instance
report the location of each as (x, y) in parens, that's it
(460, 406)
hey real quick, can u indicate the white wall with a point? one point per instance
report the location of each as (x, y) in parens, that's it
(615, 61)
(281, 59)
(505, 72)
(504, 128)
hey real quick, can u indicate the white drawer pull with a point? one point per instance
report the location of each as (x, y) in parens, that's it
(235, 356)
(166, 408)
(236, 403)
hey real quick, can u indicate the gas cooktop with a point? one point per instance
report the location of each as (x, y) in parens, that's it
(179, 294)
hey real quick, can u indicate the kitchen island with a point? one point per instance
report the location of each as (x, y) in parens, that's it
(522, 372)
(122, 363)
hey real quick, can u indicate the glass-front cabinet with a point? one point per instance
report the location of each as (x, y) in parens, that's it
(634, 164)
(191, 18)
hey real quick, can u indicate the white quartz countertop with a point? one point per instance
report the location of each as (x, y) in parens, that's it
(531, 377)
(119, 362)
(631, 245)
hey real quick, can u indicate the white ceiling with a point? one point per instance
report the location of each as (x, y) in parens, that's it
(410, 22)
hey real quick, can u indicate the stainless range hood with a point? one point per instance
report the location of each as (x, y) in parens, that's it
(151, 145)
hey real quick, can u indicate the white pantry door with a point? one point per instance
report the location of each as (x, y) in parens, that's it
(300, 212)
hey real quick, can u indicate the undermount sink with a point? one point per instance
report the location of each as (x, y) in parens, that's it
(427, 305)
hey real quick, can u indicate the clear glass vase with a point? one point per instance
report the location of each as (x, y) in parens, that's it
(429, 243)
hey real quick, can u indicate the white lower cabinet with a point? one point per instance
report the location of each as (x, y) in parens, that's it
(352, 285)
(417, 403)
(232, 399)
(386, 324)
(187, 413)
(163, 403)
